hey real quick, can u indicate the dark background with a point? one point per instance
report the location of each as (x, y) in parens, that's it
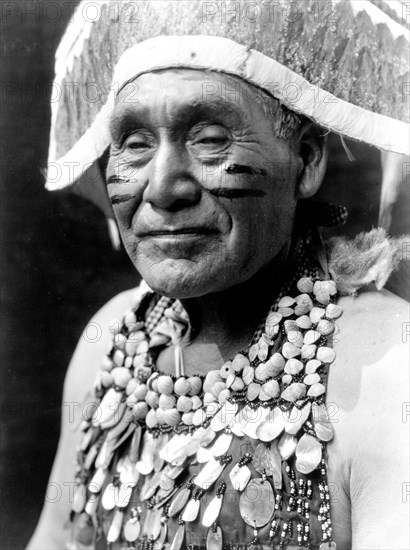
(58, 266)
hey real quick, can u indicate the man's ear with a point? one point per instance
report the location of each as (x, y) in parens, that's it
(314, 154)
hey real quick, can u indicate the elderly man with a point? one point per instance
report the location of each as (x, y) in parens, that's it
(223, 418)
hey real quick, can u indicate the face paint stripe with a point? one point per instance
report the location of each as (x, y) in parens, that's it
(117, 179)
(118, 199)
(228, 193)
(243, 169)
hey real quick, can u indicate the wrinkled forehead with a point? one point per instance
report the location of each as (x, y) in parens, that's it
(199, 90)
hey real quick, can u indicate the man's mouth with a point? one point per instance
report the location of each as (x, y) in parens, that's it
(179, 231)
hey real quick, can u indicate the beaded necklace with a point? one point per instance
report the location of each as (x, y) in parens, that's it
(273, 394)
(156, 447)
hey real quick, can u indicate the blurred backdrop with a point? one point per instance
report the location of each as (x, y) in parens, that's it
(57, 263)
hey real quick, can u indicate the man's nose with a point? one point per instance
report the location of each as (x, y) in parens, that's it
(171, 184)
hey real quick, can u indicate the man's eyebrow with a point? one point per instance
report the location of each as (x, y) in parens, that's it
(129, 115)
(120, 121)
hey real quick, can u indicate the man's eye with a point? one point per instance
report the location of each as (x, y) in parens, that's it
(138, 142)
(212, 136)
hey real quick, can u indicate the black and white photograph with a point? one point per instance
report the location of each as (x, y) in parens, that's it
(205, 275)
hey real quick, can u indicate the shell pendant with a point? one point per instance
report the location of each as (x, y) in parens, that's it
(256, 504)
(214, 539)
(212, 511)
(179, 538)
(192, 510)
(240, 476)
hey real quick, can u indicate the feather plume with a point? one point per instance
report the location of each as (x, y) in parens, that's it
(371, 257)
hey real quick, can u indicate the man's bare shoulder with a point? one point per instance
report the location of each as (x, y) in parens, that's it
(371, 343)
(376, 314)
(369, 386)
(372, 326)
(368, 393)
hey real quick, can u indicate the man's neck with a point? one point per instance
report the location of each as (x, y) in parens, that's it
(227, 320)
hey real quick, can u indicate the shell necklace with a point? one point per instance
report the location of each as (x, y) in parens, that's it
(151, 428)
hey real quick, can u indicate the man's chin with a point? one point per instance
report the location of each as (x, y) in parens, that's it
(180, 279)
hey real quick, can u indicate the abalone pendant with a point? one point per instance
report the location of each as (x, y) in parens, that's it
(156, 525)
(287, 446)
(204, 455)
(163, 535)
(135, 444)
(212, 511)
(296, 418)
(163, 497)
(272, 427)
(252, 420)
(124, 495)
(132, 530)
(224, 416)
(257, 503)
(209, 474)
(110, 497)
(80, 499)
(145, 465)
(162, 440)
(92, 505)
(321, 421)
(150, 486)
(308, 454)
(240, 476)
(115, 529)
(179, 538)
(328, 546)
(214, 539)
(174, 450)
(97, 481)
(222, 444)
(192, 510)
(179, 502)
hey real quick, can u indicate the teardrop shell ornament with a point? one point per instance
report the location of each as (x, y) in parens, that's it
(178, 539)
(179, 501)
(287, 446)
(240, 476)
(115, 529)
(132, 530)
(321, 422)
(214, 539)
(209, 474)
(308, 454)
(252, 419)
(212, 511)
(224, 416)
(256, 504)
(110, 497)
(222, 444)
(272, 427)
(296, 418)
(191, 510)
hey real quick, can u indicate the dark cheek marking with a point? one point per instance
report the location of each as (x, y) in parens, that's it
(243, 169)
(228, 193)
(118, 199)
(117, 179)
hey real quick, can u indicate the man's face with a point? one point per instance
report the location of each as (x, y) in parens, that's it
(203, 192)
